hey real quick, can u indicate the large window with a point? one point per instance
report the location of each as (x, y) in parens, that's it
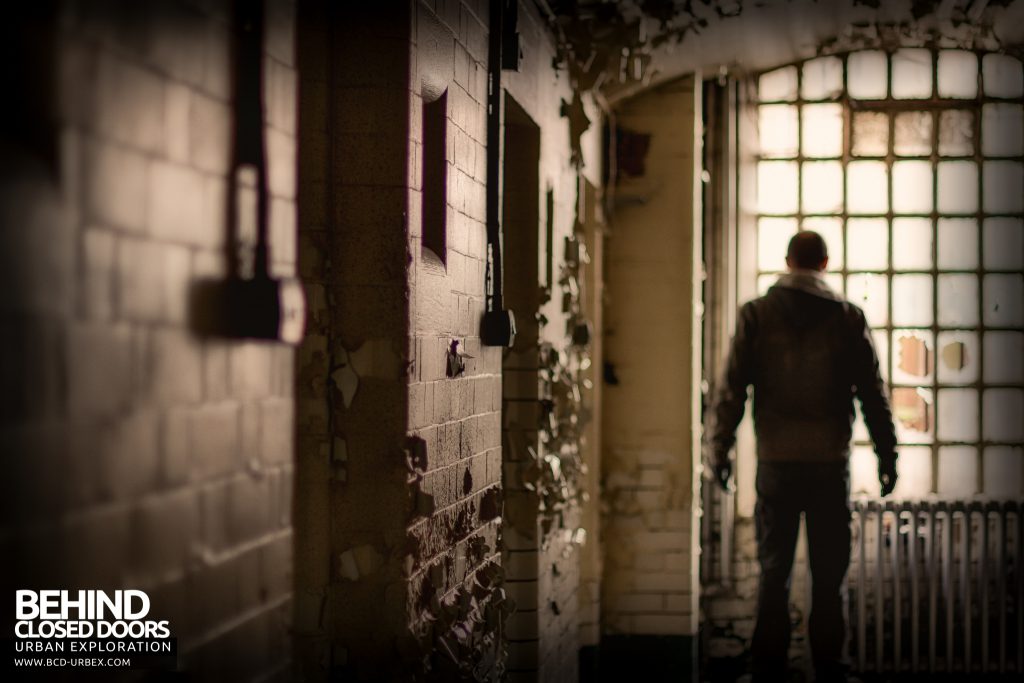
(911, 165)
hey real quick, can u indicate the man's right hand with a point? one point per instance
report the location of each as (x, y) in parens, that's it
(887, 475)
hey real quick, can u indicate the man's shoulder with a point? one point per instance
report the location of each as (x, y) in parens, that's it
(854, 312)
(751, 304)
(763, 306)
(749, 309)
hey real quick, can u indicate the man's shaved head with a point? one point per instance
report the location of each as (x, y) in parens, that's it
(807, 251)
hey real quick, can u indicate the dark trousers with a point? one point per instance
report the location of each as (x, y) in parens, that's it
(821, 491)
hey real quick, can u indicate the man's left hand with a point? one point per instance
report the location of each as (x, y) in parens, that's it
(887, 475)
(723, 472)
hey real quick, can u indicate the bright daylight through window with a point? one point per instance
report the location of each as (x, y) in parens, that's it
(910, 165)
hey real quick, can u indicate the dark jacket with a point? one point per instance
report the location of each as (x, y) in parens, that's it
(807, 352)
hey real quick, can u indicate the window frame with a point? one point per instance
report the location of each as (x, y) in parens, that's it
(747, 235)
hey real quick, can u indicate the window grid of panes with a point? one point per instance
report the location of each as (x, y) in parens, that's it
(911, 165)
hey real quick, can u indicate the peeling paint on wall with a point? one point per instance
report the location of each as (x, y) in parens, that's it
(359, 562)
(345, 378)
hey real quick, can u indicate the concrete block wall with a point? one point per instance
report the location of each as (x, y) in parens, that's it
(651, 412)
(522, 389)
(457, 416)
(136, 454)
(403, 460)
(460, 418)
(551, 556)
(354, 459)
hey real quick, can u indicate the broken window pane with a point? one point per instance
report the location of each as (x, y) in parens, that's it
(1002, 76)
(831, 229)
(1004, 357)
(869, 291)
(912, 243)
(958, 415)
(1002, 415)
(823, 78)
(958, 471)
(777, 85)
(867, 244)
(822, 187)
(822, 130)
(914, 468)
(870, 134)
(778, 128)
(958, 186)
(772, 239)
(1002, 130)
(914, 413)
(912, 134)
(958, 74)
(912, 74)
(912, 187)
(1003, 467)
(958, 300)
(1004, 244)
(958, 357)
(1002, 187)
(956, 133)
(776, 186)
(867, 75)
(912, 300)
(954, 355)
(867, 187)
(1004, 300)
(915, 357)
(958, 243)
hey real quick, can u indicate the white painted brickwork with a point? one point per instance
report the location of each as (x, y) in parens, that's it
(649, 586)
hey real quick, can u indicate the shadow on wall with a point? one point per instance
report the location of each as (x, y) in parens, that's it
(135, 453)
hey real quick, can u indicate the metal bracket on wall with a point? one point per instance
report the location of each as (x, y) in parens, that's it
(511, 47)
(249, 305)
(498, 327)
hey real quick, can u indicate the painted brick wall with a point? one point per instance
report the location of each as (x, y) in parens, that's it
(459, 418)
(352, 518)
(399, 530)
(552, 556)
(651, 412)
(456, 417)
(137, 455)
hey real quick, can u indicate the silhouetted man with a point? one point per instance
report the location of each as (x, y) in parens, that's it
(807, 352)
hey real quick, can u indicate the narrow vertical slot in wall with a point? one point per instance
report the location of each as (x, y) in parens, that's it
(434, 194)
(549, 240)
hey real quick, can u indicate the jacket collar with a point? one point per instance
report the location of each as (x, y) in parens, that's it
(810, 281)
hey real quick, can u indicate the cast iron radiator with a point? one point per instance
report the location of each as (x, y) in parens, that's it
(936, 587)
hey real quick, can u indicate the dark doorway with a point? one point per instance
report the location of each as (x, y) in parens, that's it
(520, 387)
